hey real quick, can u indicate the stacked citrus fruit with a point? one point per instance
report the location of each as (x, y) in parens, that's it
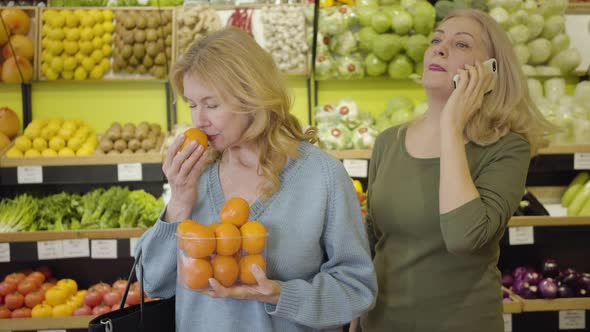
(225, 251)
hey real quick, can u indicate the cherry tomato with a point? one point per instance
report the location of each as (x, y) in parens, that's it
(120, 286)
(111, 298)
(102, 288)
(92, 298)
(133, 297)
(83, 310)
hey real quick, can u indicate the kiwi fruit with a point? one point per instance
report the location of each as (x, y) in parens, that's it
(115, 125)
(129, 22)
(143, 125)
(152, 49)
(127, 135)
(141, 22)
(133, 61)
(126, 51)
(113, 134)
(120, 145)
(151, 35)
(168, 41)
(130, 69)
(129, 127)
(148, 144)
(152, 22)
(160, 59)
(138, 51)
(155, 128)
(127, 151)
(159, 71)
(127, 37)
(139, 36)
(113, 152)
(142, 69)
(139, 151)
(105, 145)
(134, 144)
(148, 62)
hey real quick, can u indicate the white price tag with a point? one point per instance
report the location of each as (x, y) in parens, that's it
(4, 252)
(521, 235)
(50, 250)
(581, 160)
(29, 174)
(104, 249)
(572, 319)
(129, 172)
(507, 322)
(132, 245)
(76, 248)
(356, 168)
(51, 331)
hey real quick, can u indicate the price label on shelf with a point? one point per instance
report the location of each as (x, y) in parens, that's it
(52, 331)
(76, 248)
(4, 252)
(29, 174)
(102, 249)
(507, 322)
(129, 172)
(581, 160)
(521, 235)
(132, 245)
(356, 168)
(50, 250)
(572, 319)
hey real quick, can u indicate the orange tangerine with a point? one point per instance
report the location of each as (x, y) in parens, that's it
(196, 240)
(228, 239)
(235, 211)
(246, 263)
(253, 237)
(225, 270)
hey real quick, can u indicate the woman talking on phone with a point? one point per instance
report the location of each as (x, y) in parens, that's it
(443, 187)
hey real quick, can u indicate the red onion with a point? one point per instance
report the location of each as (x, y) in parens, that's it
(565, 291)
(507, 280)
(519, 272)
(550, 268)
(584, 281)
(532, 278)
(530, 293)
(548, 288)
(583, 293)
(519, 286)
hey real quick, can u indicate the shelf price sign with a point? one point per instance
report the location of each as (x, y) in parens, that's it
(104, 249)
(29, 174)
(4, 252)
(356, 168)
(581, 161)
(507, 322)
(132, 245)
(129, 172)
(76, 248)
(50, 249)
(521, 235)
(572, 319)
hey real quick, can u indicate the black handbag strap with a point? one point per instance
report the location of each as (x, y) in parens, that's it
(136, 264)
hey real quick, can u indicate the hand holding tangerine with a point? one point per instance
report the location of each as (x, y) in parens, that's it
(194, 134)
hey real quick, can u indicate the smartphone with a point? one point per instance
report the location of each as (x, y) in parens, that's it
(490, 66)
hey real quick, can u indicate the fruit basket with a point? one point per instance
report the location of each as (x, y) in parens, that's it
(22, 26)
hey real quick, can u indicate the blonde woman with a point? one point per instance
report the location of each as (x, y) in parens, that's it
(442, 188)
(319, 271)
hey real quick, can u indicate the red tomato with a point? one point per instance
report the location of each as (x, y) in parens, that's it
(133, 297)
(15, 277)
(101, 309)
(111, 298)
(102, 288)
(136, 285)
(92, 298)
(26, 286)
(22, 313)
(83, 310)
(14, 301)
(118, 306)
(46, 270)
(46, 286)
(7, 287)
(34, 298)
(37, 277)
(4, 312)
(120, 286)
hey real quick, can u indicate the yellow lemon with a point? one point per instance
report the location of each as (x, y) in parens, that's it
(106, 50)
(22, 143)
(49, 153)
(32, 133)
(86, 34)
(14, 153)
(47, 133)
(97, 56)
(57, 34)
(73, 34)
(75, 143)
(32, 153)
(72, 21)
(96, 73)
(70, 63)
(87, 21)
(56, 47)
(85, 151)
(86, 47)
(107, 38)
(108, 15)
(57, 143)
(97, 43)
(67, 75)
(39, 144)
(64, 133)
(57, 21)
(98, 29)
(66, 152)
(87, 64)
(57, 64)
(108, 27)
(105, 64)
(80, 74)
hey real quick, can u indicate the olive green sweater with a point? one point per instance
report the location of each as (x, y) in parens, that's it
(437, 272)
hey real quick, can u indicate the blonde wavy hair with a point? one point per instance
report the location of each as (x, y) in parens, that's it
(508, 107)
(244, 76)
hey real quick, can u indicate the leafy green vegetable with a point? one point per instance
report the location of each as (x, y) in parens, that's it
(17, 214)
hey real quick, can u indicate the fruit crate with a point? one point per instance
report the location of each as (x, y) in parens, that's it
(190, 27)
(514, 306)
(33, 31)
(109, 50)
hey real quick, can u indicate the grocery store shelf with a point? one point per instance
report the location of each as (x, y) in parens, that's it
(548, 221)
(145, 158)
(28, 324)
(566, 149)
(556, 304)
(121, 233)
(351, 154)
(578, 8)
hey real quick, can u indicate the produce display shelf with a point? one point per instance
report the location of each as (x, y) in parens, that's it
(112, 233)
(578, 8)
(550, 150)
(513, 307)
(146, 158)
(61, 323)
(548, 221)
(556, 304)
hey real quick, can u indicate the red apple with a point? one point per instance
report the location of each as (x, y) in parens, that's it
(17, 21)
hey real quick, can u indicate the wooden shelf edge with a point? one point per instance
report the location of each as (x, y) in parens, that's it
(513, 307)
(351, 154)
(565, 149)
(548, 221)
(28, 324)
(114, 233)
(155, 158)
(556, 304)
(578, 8)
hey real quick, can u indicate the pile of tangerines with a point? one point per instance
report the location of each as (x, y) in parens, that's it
(225, 251)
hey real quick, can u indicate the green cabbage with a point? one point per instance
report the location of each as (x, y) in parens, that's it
(567, 61)
(375, 66)
(344, 43)
(366, 36)
(424, 17)
(401, 67)
(415, 47)
(540, 50)
(386, 46)
(381, 21)
(554, 25)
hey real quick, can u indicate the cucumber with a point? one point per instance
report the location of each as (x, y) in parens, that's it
(579, 201)
(574, 188)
